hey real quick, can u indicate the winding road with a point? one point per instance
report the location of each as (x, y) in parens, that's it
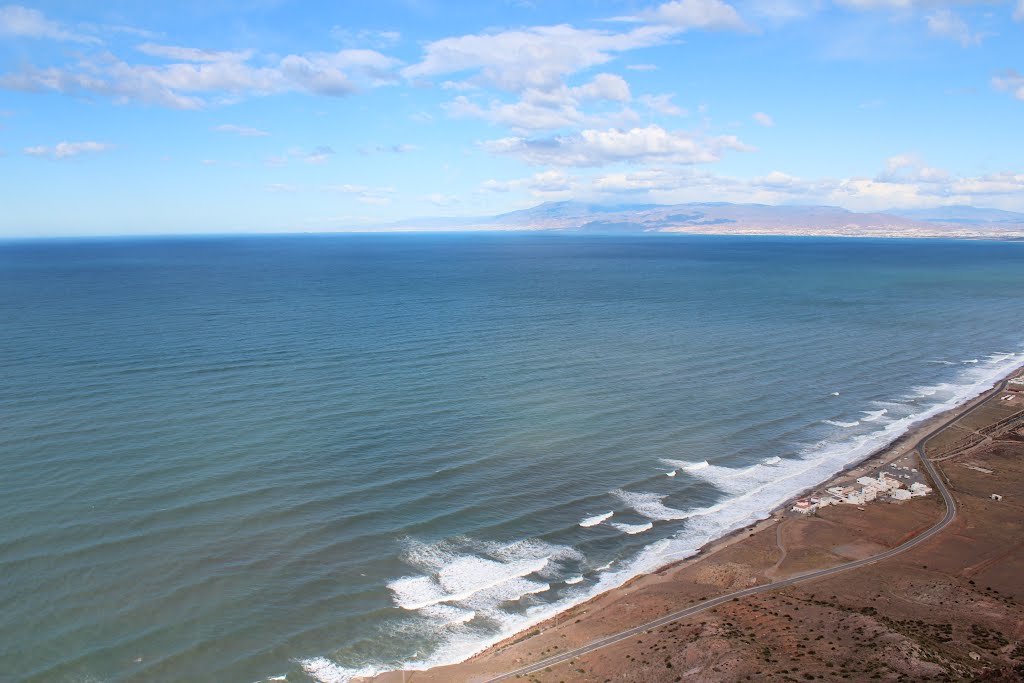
(946, 520)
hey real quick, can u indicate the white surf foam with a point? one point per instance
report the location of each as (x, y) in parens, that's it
(967, 362)
(453, 575)
(449, 614)
(324, 670)
(574, 580)
(463, 579)
(873, 415)
(774, 460)
(596, 519)
(634, 528)
(649, 505)
(670, 474)
(685, 465)
(845, 425)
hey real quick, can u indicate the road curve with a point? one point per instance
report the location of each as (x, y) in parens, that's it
(946, 520)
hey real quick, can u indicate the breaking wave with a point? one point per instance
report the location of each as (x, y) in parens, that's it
(596, 519)
(874, 415)
(685, 465)
(649, 505)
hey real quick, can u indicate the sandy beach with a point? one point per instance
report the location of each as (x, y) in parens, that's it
(784, 545)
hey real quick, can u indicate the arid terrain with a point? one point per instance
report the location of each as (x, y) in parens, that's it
(951, 608)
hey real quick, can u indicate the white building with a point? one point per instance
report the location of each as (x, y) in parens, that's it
(900, 494)
(919, 489)
(803, 506)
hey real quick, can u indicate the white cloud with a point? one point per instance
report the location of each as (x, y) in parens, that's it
(878, 4)
(1012, 82)
(908, 168)
(600, 147)
(608, 87)
(946, 24)
(537, 58)
(780, 11)
(905, 182)
(439, 199)
(319, 155)
(518, 115)
(244, 131)
(188, 84)
(65, 150)
(1018, 13)
(539, 184)
(763, 119)
(388, 149)
(699, 14)
(18, 21)
(645, 67)
(550, 109)
(662, 104)
(193, 54)
(365, 36)
(365, 194)
(636, 181)
(121, 29)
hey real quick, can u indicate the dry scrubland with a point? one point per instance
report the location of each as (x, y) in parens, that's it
(950, 609)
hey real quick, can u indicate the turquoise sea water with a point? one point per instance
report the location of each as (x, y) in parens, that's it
(229, 459)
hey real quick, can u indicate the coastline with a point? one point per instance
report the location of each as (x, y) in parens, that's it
(901, 446)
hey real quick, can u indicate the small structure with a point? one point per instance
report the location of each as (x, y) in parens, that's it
(1015, 384)
(900, 494)
(996, 496)
(804, 506)
(919, 489)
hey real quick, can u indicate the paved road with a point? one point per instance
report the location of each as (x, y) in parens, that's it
(800, 578)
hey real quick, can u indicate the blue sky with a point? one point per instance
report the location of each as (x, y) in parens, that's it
(215, 116)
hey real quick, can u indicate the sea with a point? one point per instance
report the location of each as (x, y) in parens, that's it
(314, 457)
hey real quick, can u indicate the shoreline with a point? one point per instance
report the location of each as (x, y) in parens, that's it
(901, 446)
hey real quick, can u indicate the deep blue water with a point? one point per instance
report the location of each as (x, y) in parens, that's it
(225, 459)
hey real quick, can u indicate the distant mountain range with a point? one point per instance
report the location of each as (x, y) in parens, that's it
(741, 219)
